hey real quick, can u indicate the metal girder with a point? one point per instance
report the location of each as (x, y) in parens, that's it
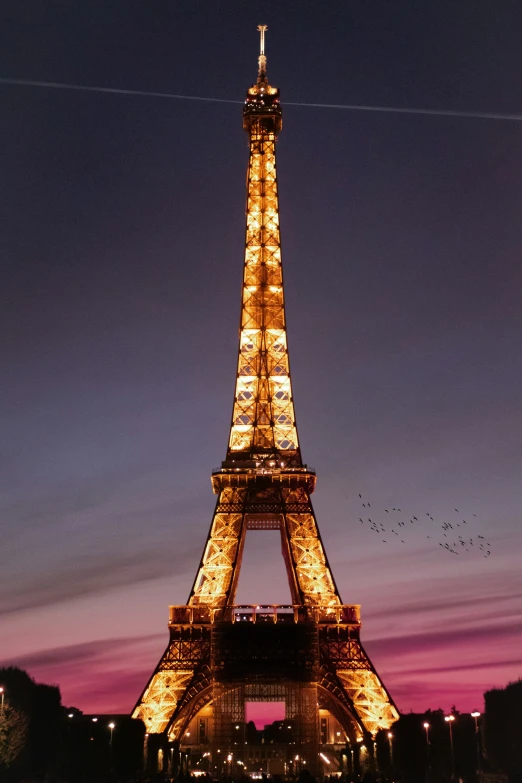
(290, 510)
(369, 698)
(186, 656)
(160, 698)
(348, 673)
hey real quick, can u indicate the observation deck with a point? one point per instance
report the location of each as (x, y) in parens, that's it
(341, 615)
(239, 473)
(262, 102)
(262, 110)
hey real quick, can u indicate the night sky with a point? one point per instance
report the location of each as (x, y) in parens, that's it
(121, 263)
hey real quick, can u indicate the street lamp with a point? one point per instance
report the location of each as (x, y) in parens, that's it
(449, 719)
(476, 716)
(427, 730)
(111, 727)
(390, 743)
(2, 691)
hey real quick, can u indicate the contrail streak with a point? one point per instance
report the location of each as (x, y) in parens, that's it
(477, 115)
(112, 90)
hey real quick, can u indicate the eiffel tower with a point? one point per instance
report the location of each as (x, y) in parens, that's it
(308, 654)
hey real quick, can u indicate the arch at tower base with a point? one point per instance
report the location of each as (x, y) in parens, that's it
(221, 658)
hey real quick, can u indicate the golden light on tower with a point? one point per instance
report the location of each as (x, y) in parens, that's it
(264, 485)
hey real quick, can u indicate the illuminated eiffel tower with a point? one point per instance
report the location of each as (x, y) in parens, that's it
(308, 654)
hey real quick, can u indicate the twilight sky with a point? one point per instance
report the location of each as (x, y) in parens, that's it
(121, 263)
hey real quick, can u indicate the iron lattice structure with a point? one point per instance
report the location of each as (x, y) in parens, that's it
(310, 652)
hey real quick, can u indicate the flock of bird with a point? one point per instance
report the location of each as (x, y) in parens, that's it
(397, 524)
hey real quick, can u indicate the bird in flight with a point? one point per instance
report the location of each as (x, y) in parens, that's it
(376, 525)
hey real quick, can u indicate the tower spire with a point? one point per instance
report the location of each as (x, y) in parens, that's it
(263, 425)
(261, 73)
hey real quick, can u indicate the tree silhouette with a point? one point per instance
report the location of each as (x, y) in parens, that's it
(13, 734)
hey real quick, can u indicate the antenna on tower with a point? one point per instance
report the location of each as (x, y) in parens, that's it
(261, 75)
